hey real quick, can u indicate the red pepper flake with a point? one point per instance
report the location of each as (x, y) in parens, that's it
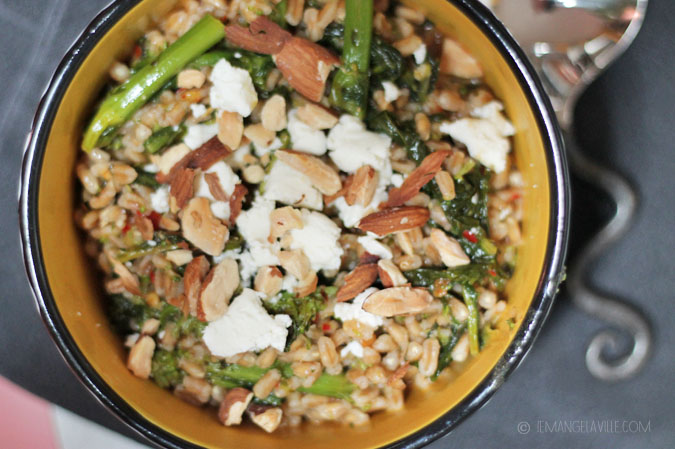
(155, 219)
(515, 196)
(470, 237)
(492, 273)
(126, 228)
(326, 327)
(152, 276)
(138, 52)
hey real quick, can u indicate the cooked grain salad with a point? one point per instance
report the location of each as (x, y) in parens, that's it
(302, 209)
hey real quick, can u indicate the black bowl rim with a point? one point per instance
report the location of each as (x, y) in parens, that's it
(551, 275)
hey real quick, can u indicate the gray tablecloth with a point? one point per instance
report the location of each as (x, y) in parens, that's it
(624, 120)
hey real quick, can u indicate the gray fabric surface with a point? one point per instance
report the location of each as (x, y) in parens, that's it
(625, 120)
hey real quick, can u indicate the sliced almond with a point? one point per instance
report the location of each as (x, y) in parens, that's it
(307, 286)
(194, 275)
(179, 257)
(417, 179)
(203, 157)
(295, 262)
(217, 290)
(396, 219)
(259, 135)
(234, 405)
(139, 361)
(282, 220)
(457, 61)
(359, 279)
(268, 281)
(129, 280)
(273, 114)
(182, 186)
(263, 36)
(202, 229)
(450, 250)
(194, 390)
(230, 129)
(317, 116)
(389, 273)
(362, 187)
(236, 201)
(171, 157)
(266, 417)
(215, 187)
(322, 175)
(306, 66)
(396, 301)
(144, 226)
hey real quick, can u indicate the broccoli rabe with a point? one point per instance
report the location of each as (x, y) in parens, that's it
(401, 134)
(165, 369)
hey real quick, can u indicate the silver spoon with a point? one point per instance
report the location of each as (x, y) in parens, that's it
(570, 42)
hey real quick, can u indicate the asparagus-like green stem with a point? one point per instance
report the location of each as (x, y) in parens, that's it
(134, 93)
(349, 90)
(471, 301)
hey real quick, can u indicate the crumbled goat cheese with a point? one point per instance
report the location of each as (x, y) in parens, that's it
(237, 158)
(232, 89)
(420, 54)
(289, 283)
(391, 91)
(397, 179)
(160, 199)
(260, 151)
(485, 135)
(197, 109)
(221, 209)
(351, 146)
(254, 223)
(226, 177)
(197, 135)
(151, 168)
(246, 326)
(304, 137)
(287, 185)
(346, 311)
(374, 247)
(318, 239)
(354, 348)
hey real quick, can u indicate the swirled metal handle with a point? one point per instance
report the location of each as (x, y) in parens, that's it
(619, 314)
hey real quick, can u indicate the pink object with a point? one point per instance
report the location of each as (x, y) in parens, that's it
(25, 420)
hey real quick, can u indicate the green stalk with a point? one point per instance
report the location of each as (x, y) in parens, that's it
(123, 101)
(471, 301)
(349, 90)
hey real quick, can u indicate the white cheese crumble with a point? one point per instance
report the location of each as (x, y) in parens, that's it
(197, 135)
(354, 348)
(318, 239)
(197, 109)
(420, 54)
(260, 150)
(237, 158)
(226, 177)
(304, 137)
(159, 199)
(289, 186)
(246, 326)
(232, 89)
(485, 135)
(391, 91)
(254, 227)
(151, 168)
(351, 146)
(397, 179)
(221, 209)
(346, 311)
(374, 247)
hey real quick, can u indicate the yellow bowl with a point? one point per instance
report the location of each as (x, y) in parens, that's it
(68, 288)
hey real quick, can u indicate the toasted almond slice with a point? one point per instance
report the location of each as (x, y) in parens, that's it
(182, 186)
(129, 280)
(362, 188)
(457, 61)
(396, 301)
(306, 66)
(234, 405)
(273, 114)
(215, 187)
(263, 36)
(450, 250)
(236, 201)
(389, 273)
(144, 226)
(396, 219)
(195, 272)
(202, 229)
(139, 361)
(359, 279)
(327, 199)
(282, 220)
(217, 290)
(307, 286)
(268, 281)
(317, 116)
(322, 175)
(295, 262)
(266, 417)
(230, 129)
(259, 135)
(203, 157)
(171, 157)
(417, 179)
(179, 257)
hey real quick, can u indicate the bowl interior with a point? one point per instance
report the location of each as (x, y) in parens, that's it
(75, 283)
